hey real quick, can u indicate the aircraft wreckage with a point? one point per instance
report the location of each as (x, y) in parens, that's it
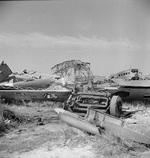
(102, 114)
(88, 110)
(69, 75)
(128, 84)
(14, 88)
(26, 87)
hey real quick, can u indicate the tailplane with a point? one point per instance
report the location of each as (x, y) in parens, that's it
(5, 71)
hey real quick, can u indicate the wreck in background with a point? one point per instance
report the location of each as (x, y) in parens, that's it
(30, 89)
(75, 74)
(133, 89)
(130, 74)
(128, 84)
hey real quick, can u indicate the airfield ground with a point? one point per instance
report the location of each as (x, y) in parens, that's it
(42, 135)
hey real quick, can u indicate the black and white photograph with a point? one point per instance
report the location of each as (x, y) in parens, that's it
(75, 79)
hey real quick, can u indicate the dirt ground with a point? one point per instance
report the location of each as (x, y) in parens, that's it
(43, 135)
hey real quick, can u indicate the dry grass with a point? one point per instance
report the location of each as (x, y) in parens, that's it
(75, 143)
(29, 113)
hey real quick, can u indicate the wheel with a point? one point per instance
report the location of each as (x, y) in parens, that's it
(116, 106)
(65, 106)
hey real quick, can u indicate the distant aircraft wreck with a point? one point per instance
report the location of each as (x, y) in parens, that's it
(130, 74)
(30, 89)
(74, 70)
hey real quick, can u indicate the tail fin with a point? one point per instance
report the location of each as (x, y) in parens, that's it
(5, 71)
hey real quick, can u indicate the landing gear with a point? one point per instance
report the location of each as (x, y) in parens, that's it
(116, 106)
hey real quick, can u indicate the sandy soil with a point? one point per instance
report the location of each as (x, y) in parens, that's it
(48, 137)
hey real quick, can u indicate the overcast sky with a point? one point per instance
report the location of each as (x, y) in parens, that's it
(111, 34)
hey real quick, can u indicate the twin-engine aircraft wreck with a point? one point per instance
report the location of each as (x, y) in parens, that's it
(91, 108)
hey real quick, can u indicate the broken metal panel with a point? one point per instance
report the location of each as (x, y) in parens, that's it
(79, 123)
(115, 126)
(97, 122)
